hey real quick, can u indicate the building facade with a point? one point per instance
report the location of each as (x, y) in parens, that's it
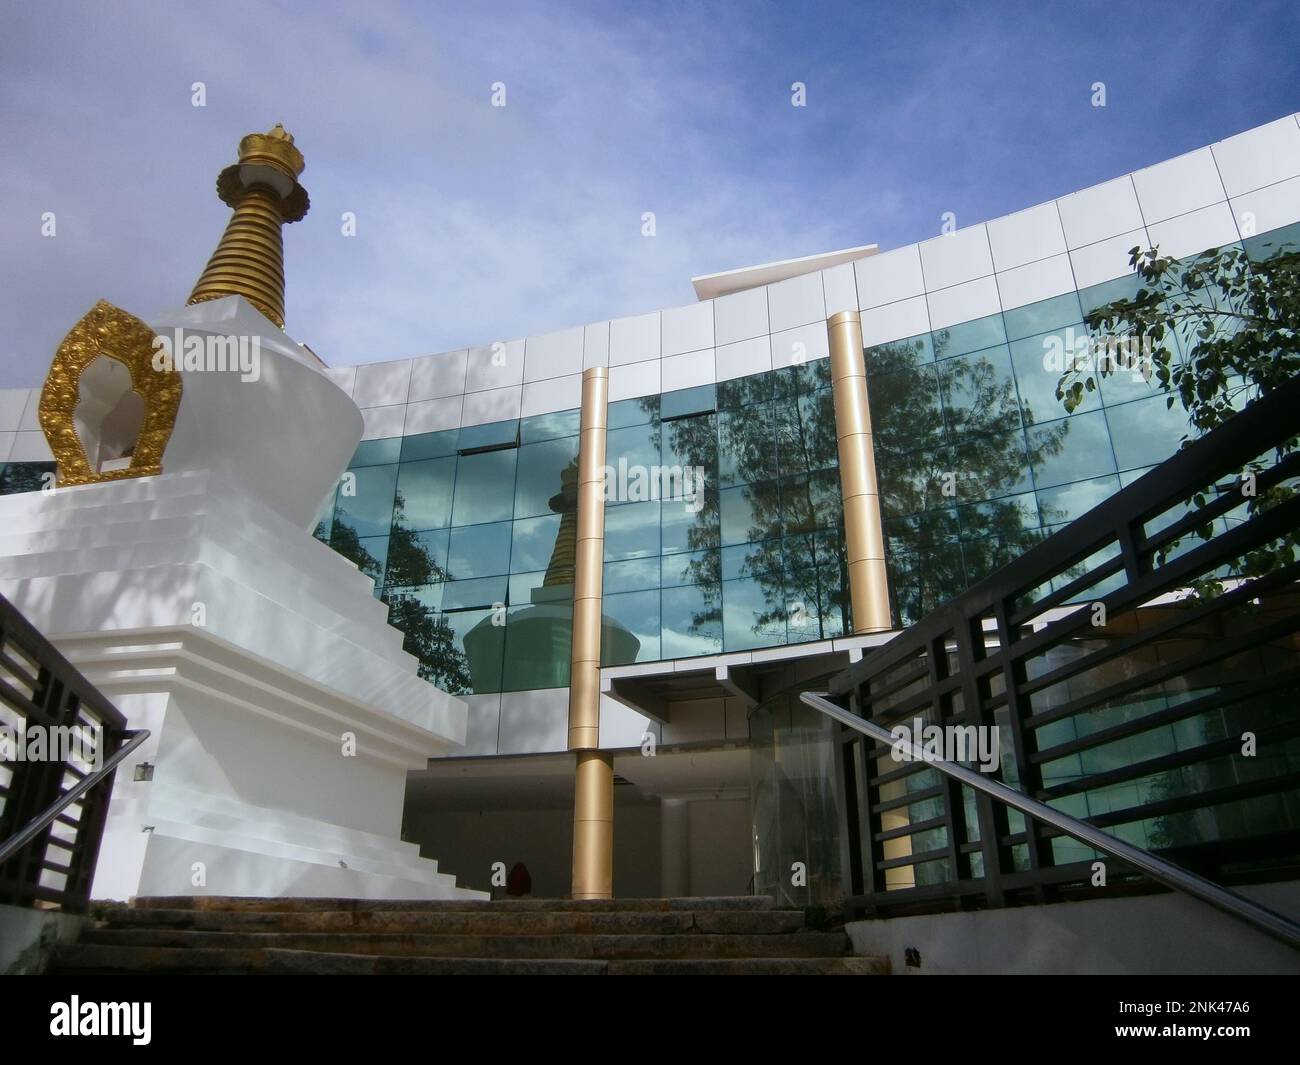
(727, 536)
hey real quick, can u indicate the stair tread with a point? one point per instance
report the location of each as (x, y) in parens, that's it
(739, 935)
(288, 905)
(518, 922)
(126, 960)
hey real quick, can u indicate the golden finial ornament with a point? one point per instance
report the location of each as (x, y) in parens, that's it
(263, 190)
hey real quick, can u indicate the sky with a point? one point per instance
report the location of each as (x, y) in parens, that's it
(477, 223)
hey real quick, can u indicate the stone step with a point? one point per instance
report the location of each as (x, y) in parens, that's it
(478, 921)
(95, 959)
(561, 946)
(230, 903)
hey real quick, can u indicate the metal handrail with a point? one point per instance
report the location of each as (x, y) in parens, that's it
(34, 827)
(1265, 920)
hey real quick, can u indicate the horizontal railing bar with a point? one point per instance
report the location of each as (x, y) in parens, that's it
(914, 859)
(906, 830)
(1173, 760)
(1228, 499)
(889, 805)
(1172, 577)
(1062, 596)
(1245, 789)
(1221, 649)
(1221, 697)
(1265, 920)
(1191, 612)
(917, 704)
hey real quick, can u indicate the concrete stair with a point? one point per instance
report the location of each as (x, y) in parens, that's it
(627, 937)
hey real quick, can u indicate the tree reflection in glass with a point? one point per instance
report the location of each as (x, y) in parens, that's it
(953, 467)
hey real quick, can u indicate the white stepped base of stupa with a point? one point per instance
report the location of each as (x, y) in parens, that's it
(284, 713)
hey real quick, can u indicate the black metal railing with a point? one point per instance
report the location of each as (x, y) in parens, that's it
(1164, 715)
(59, 734)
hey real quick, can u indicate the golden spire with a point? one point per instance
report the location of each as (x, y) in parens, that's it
(565, 502)
(263, 189)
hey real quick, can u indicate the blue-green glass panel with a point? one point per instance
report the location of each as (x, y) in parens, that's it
(753, 612)
(1008, 516)
(492, 434)
(639, 411)
(747, 446)
(1073, 449)
(797, 513)
(1146, 432)
(1071, 501)
(741, 393)
(431, 637)
(632, 531)
(426, 489)
(899, 355)
(18, 477)
(550, 426)
(1043, 316)
(485, 487)
(906, 410)
(480, 551)
(686, 401)
(690, 567)
(969, 336)
(926, 567)
(1132, 378)
(377, 452)
(369, 512)
(376, 548)
(480, 643)
(691, 442)
(633, 574)
(751, 559)
(979, 393)
(690, 524)
(1106, 292)
(430, 445)
(801, 379)
(528, 588)
(538, 485)
(631, 455)
(1038, 362)
(538, 643)
(416, 558)
(533, 543)
(1282, 241)
(637, 613)
(692, 621)
(750, 512)
(817, 417)
(481, 592)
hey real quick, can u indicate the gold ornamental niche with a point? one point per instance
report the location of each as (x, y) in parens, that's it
(105, 410)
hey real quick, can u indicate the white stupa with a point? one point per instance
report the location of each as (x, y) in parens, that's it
(174, 565)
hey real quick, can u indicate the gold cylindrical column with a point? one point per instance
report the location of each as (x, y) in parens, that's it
(593, 826)
(263, 189)
(593, 799)
(863, 527)
(584, 675)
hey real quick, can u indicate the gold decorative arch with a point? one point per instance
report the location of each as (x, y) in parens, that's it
(108, 330)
